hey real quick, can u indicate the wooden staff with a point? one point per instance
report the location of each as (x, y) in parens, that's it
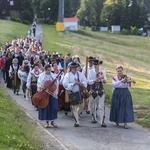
(86, 67)
(66, 92)
(86, 75)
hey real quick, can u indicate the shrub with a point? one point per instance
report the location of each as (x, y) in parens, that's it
(26, 22)
(16, 20)
(133, 30)
(125, 31)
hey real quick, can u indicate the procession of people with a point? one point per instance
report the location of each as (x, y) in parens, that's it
(54, 82)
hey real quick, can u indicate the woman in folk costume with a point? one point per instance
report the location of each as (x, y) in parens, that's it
(49, 113)
(71, 82)
(23, 74)
(121, 106)
(98, 93)
(13, 74)
(32, 80)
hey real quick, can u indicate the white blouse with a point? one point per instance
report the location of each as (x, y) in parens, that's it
(43, 78)
(116, 83)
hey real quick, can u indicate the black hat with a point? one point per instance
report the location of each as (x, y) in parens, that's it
(73, 65)
(90, 58)
(55, 55)
(97, 62)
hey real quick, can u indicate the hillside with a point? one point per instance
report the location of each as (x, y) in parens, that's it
(113, 49)
(9, 30)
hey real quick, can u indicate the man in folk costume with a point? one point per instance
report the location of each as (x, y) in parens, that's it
(72, 82)
(32, 80)
(98, 96)
(13, 74)
(89, 68)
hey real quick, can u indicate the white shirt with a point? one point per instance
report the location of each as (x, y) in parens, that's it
(70, 79)
(93, 75)
(14, 68)
(88, 69)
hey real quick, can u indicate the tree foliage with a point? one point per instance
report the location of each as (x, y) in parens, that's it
(89, 11)
(126, 13)
(27, 10)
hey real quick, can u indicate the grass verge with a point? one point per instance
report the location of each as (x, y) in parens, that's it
(16, 128)
(10, 29)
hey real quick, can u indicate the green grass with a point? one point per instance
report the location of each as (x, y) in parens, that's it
(113, 49)
(16, 128)
(9, 30)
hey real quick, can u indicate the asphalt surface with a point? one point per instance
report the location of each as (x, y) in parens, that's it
(88, 136)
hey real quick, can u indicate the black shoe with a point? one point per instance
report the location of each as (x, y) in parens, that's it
(76, 125)
(94, 121)
(117, 123)
(103, 125)
(88, 112)
(36, 108)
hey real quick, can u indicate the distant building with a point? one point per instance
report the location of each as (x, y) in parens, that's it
(10, 8)
(71, 24)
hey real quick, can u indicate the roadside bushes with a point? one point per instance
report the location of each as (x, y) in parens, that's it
(20, 21)
(133, 31)
(16, 20)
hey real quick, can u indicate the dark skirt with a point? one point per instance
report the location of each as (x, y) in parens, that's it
(121, 106)
(16, 87)
(50, 111)
(33, 91)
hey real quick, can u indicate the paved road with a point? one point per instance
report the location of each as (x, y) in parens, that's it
(88, 136)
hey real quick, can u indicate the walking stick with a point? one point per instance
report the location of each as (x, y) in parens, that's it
(86, 75)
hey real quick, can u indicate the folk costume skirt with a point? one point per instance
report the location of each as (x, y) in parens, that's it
(49, 113)
(121, 106)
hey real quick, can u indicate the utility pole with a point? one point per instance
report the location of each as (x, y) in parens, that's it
(60, 25)
(61, 11)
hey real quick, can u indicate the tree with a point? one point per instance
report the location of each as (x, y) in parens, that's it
(71, 7)
(125, 20)
(37, 7)
(27, 10)
(134, 14)
(111, 12)
(49, 10)
(89, 11)
(143, 15)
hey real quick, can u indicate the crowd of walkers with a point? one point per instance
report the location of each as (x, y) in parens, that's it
(24, 64)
